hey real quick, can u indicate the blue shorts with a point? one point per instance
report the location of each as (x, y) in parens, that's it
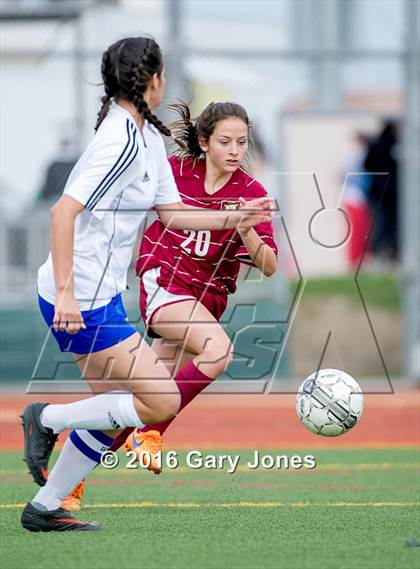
(105, 327)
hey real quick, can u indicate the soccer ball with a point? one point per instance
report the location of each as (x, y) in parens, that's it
(329, 402)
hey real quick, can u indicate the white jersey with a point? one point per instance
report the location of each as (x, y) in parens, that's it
(122, 174)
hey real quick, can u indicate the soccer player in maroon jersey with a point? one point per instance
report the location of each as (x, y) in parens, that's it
(187, 275)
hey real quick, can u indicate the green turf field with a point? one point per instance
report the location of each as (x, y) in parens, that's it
(355, 509)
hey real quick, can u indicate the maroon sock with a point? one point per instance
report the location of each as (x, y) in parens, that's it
(190, 381)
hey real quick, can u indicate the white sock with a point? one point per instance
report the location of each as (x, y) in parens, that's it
(79, 456)
(107, 411)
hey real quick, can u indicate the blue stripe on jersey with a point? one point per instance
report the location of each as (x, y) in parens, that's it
(115, 171)
(84, 448)
(130, 158)
(102, 438)
(98, 189)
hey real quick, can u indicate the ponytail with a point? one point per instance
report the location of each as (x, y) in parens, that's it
(185, 131)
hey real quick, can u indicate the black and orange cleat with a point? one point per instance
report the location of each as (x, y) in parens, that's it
(36, 520)
(39, 442)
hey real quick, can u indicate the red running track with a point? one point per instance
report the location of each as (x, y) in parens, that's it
(255, 421)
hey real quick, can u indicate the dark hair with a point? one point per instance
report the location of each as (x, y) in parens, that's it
(188, 130)
(127, 66)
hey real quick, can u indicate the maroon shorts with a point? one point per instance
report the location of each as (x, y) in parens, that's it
(153, 296)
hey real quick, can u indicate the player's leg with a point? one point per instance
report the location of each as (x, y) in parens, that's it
(171, 354)
(173, 357)
(192, 326)
(149, 395)
(133, 367)
(114, 349)
(81, 451)
(190, 337)
(73, 457)
(130, 366)
(206, 348)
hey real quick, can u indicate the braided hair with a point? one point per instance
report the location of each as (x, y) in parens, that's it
(139, 80)
(127, 66)
(188, 130)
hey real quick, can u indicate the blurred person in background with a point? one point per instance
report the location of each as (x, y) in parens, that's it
(355, 199)
(58, 171)
(382, 158)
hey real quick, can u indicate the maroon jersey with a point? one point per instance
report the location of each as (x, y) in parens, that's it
(208, 260)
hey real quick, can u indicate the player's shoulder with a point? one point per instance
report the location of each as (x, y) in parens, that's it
(155, 137)
(184, 168)
(117, 128)
(175, 163)
(251, 187)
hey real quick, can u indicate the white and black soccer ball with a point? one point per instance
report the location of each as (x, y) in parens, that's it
(329, 402)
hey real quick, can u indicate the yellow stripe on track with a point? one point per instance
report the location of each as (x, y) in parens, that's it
(192, 505)
(244, 468)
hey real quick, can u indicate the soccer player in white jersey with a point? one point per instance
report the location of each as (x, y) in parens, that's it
(122, 174)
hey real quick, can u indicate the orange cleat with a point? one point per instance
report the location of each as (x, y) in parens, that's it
(148, 447)
(73, 502)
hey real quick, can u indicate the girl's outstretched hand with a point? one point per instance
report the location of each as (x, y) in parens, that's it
(253, 212)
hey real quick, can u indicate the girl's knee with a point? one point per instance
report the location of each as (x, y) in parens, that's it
(161, 408)
(221, 354)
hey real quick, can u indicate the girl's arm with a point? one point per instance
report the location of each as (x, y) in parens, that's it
(67, 316)
(262, 255)
(182, 216)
